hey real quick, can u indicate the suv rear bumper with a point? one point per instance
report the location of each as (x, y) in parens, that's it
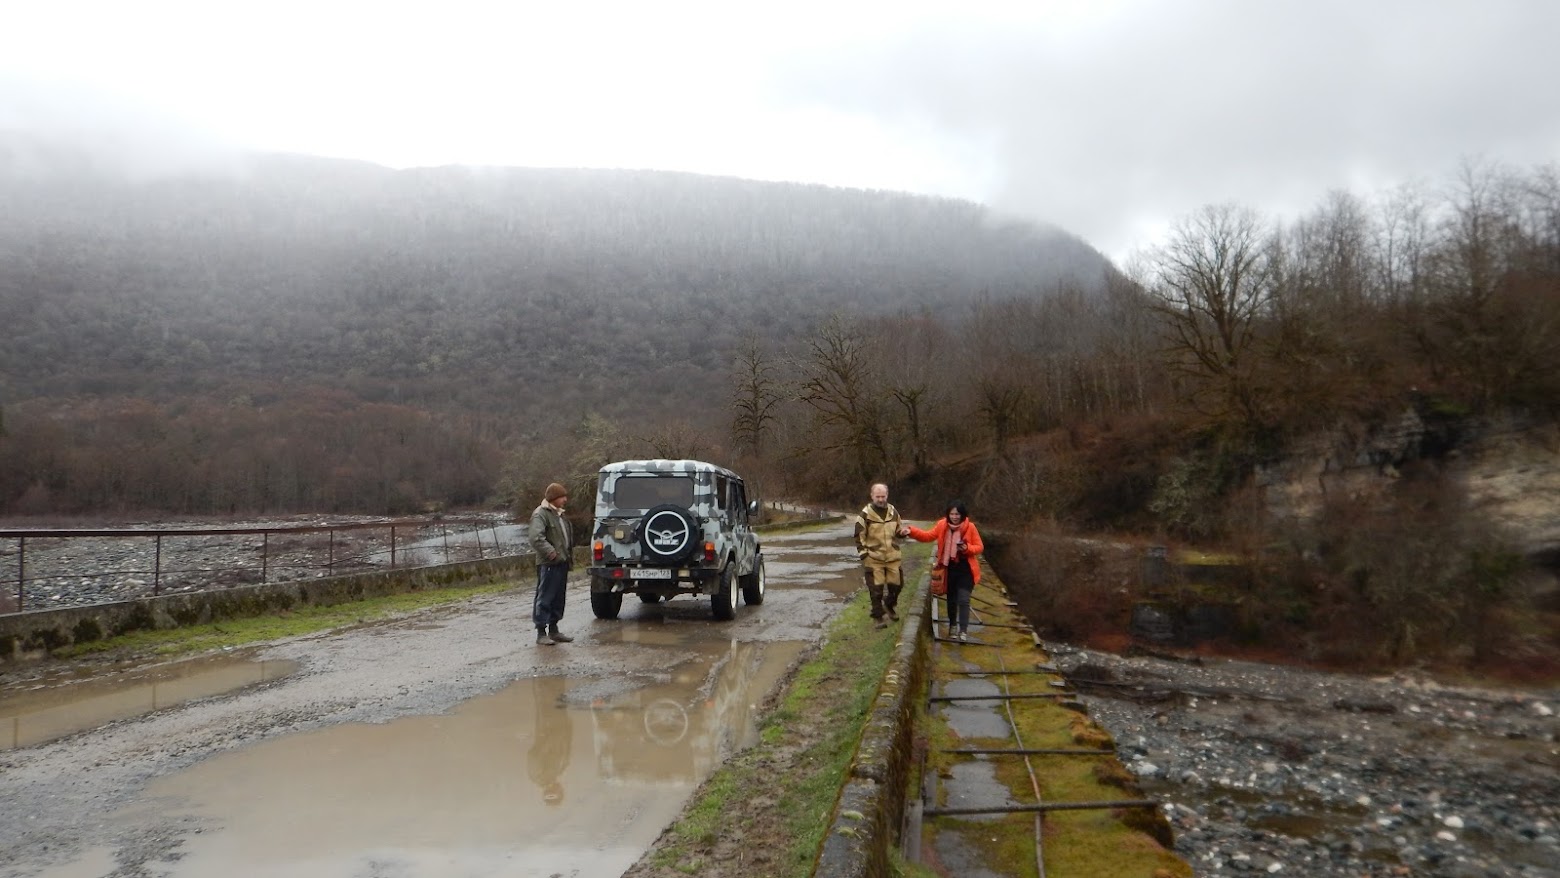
(621, 579)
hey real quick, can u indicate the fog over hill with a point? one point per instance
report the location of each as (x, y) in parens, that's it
(490, 289)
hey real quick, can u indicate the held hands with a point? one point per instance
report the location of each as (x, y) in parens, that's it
(904, 531)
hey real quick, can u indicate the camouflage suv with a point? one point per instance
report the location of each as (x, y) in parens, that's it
(670, 527)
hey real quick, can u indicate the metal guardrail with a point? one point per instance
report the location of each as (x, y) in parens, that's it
(411, 543)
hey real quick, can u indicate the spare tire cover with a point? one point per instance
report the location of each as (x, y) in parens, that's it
(668, 534)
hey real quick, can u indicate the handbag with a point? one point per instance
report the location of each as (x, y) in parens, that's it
(940, 581)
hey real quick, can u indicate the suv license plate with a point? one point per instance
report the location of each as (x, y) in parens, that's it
(652, 573)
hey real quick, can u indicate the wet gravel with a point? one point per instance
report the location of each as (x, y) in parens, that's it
(1278, 770)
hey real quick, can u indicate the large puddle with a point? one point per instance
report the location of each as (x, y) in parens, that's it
(41, 714)
(550, 776)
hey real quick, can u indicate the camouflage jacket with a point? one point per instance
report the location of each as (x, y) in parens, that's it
(877, 537)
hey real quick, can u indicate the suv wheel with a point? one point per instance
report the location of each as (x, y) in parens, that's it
(668, 534)
(723, 603)
(606, 604)
(753, 584)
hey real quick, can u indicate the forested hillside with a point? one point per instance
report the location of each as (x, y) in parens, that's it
(301, 332)
(472, 286)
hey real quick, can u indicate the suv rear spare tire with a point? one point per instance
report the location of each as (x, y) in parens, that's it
(668, 534)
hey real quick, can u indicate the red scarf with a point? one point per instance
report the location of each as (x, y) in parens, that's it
(950, 547)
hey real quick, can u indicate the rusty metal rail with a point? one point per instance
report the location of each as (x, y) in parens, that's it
(1044, 807)
(469, 533)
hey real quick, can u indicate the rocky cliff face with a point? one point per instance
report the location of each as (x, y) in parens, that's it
(1511, 473)
(1508, 469)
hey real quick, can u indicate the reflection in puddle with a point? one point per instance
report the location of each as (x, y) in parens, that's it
(537, 779)
(44, 714)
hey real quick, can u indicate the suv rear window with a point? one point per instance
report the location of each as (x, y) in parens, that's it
(643, 492)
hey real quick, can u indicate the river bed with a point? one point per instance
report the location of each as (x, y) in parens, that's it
(1280, 770)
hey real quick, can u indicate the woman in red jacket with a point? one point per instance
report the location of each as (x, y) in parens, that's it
(958, 542)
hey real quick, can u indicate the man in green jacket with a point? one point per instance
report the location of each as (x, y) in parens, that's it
(554, 546)
(878, 529)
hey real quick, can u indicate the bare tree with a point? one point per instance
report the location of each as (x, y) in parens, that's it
(1212, 281)
(914, 349)
(1401, 244)
(676, 440)
(755, 394)
(841, 386)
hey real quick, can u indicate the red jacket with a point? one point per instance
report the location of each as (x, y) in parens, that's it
(972, 542)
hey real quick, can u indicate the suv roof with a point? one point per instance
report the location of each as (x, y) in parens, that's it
(662, 465)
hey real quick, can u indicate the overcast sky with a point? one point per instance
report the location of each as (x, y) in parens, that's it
(1106, 118)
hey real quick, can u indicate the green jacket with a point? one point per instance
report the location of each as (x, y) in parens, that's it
(877, 534)
(550, 537)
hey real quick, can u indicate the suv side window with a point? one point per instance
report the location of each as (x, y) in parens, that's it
(739, 502)
(720, 492)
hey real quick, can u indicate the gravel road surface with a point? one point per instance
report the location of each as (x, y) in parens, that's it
(442, 743)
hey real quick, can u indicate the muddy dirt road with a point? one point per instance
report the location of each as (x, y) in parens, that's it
(445, 743)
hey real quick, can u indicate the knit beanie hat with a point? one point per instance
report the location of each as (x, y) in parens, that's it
(554, 491)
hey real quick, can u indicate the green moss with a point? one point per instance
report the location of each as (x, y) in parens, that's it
(1077, 844)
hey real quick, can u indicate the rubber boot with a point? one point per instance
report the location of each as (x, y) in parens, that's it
(558, 636)
(542, 639)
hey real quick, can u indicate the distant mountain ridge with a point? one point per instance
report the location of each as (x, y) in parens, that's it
(463, 286)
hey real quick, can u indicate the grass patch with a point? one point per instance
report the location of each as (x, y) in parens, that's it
(291, 623)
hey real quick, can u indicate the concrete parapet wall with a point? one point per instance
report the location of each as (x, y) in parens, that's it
(870, 811)
(33, 634)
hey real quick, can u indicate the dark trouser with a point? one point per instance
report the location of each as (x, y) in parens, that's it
(552, 580)
(961, 584)
(881, 579)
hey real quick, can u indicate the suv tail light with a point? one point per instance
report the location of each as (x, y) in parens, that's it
(709, 551)
(598, 550)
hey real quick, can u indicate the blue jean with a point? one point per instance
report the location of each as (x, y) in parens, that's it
(552, 580)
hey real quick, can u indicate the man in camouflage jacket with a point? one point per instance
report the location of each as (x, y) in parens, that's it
(878, 529)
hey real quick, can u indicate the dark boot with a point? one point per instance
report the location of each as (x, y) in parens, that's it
(558, 636)
(542, 639)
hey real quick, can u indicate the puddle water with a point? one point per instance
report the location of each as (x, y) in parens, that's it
(33, 716)
(543, 778)
(975, 719)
